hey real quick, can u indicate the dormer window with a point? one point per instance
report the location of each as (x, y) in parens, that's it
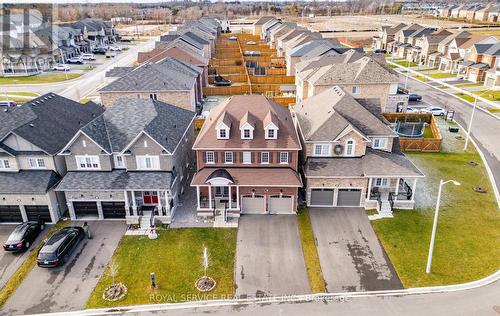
(222, 133)
(379, 143)
(270, 133)
(246, 130)
(349, 148)
(246, 134)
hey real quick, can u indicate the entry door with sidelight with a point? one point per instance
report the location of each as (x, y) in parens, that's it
(150, 197)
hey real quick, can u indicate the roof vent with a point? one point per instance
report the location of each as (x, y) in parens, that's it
(79, 122)
(175, 126)
(32, 125)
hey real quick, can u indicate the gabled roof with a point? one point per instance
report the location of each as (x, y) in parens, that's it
(317, 62)
(324, 116)
(130, 117)
(493, 50)
(48, 122)
(169, 74)
(263, 20)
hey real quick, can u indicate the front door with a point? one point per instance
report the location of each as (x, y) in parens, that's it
(150, 197)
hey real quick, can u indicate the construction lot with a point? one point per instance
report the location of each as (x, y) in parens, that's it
(252, 67)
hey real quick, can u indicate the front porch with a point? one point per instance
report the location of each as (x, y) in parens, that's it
(386, 194)
(145, 204)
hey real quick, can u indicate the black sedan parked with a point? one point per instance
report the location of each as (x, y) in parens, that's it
(23, 236)
(413, 97)
(59, 247)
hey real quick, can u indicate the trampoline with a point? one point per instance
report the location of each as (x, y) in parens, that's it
(409, 129)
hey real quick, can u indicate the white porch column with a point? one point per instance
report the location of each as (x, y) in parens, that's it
(397, 188)
(99, 210)
(23, 213)
(160, 211)
(238, 196)
(71, 210)
(127, 205)
(369, 188)
(198, 195)
(210, 196)
(134, 204)
(167, 203)
(413, 189)
(230, 198)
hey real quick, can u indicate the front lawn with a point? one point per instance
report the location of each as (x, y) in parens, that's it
(441, 75)
(494, 110)
(466, 97)
(42, 78)
(176, 259)
(491, 95)
(405, 63)
(468, 233)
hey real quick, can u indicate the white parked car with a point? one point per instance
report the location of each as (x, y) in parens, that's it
(88, 56)
(115, 48)
(435, 110)
(61, 67)
(75, 60)
(412, 110)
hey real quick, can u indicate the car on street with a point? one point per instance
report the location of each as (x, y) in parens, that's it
(110, 54)
(88, 56)
(435, 110)
(412, 110)
(57, 249)
(75, 60)
(413, 97)
(220, 81)
(23, 236)
(61, 67)
(232, 38)
(99, 50)
(115, 48)
(251, 43)
(380, 51)
(7, 103)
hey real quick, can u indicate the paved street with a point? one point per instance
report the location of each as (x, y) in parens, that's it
(68, 287)
(10, 262)
(485, 128)
(350, 254)
(269, 257)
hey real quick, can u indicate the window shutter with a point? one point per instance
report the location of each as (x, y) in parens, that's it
(216, 154)
(259, 157)
(204, 156)
(241, 157)
(289, 157)
(271, 157)
(235, 157)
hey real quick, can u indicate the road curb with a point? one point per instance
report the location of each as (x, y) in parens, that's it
(322, 297)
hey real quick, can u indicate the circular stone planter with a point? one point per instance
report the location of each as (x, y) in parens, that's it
(472, 163)
(115, 292)
(480, 190)
(205, 284)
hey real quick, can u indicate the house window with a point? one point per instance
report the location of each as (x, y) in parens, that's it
(271, 133)
(283, 157)
(153, 96)
(119, 163)
(145, 143)
(247, 157)
(321, 149)
(87, 162)
(222, 191)
(36, 163)
(222, 133)
(264, 157)
(381, 182)
(84, 143)
(4, 164)
(379, 143)
(148, 162)
(246, 133)
(228, 157)
(349, 151)
(356, 90)
(210, 157)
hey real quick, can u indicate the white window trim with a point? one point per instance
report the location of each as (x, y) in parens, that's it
(219, 130)
(357, 88)
(115, 159)
(249, 154)
(262, 155)
(275, 131)
(36, 164)
(379, 139)
(4, 165)
(206, 157)
(382, 180)
(228, 154)
(93, 160)
(155, 162)
(284, 154)
(353, 147)
(323, 154)
(250, 133)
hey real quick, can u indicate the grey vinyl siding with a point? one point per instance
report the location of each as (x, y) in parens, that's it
(92, 149)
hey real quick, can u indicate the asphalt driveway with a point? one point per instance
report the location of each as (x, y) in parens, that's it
(68, 287)
(269, 257)
(350, 254)
(10, 262)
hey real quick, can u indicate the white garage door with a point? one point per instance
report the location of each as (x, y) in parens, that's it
(321, 197)
(253, 204)
(349, 197)
(281, 204)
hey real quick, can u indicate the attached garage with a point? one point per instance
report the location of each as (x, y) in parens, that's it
(113, 209)
(349, 197)
(10, 214)
(85, 209)
(281, 204)
(38, 211)
(321, 197)
(253, 204)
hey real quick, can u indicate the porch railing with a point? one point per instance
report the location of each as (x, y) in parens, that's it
(407, 191)
(391, 200)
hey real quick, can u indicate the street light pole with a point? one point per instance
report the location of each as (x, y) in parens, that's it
(407, 74)
(471, 118)
(434, 225)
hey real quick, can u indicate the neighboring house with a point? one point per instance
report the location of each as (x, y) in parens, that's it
(361, 76)
(128, 162)
(478, 61)
(169, 80)
(484, 13)
(302, 38)
(446, 12)
(316, 46)
(405, 39)
(385, 39)
(257, 25)
(459, 48)
(247, 158)
(456, 11)
(351, 157)
(30, 138)
(492, 79)
(427, 45)
(267, 27)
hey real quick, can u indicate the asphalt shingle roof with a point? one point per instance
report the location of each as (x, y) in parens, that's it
(28, 181)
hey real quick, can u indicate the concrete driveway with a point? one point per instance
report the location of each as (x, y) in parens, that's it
(350, 254)
(68, 287)
(269, 257)
(10, 262)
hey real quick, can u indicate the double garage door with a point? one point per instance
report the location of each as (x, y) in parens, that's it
(276, 204)
(90, 210)
(12, 213)
(345, 197)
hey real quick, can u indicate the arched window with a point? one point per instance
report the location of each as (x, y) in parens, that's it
(349, 148)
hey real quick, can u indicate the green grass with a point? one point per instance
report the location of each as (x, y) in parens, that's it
(22, 93)
(466, 97)
(176, 259)
(30, 262)
(405, 63)
(371, 212)
(12, 98)
(463, 85)
(428, 132)
(492, 95)
(43, 78)
(441, 75)
(420, 78)
(85, 100)
(492, 110)
(468, 233)
(426, 69)
(311, 258)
